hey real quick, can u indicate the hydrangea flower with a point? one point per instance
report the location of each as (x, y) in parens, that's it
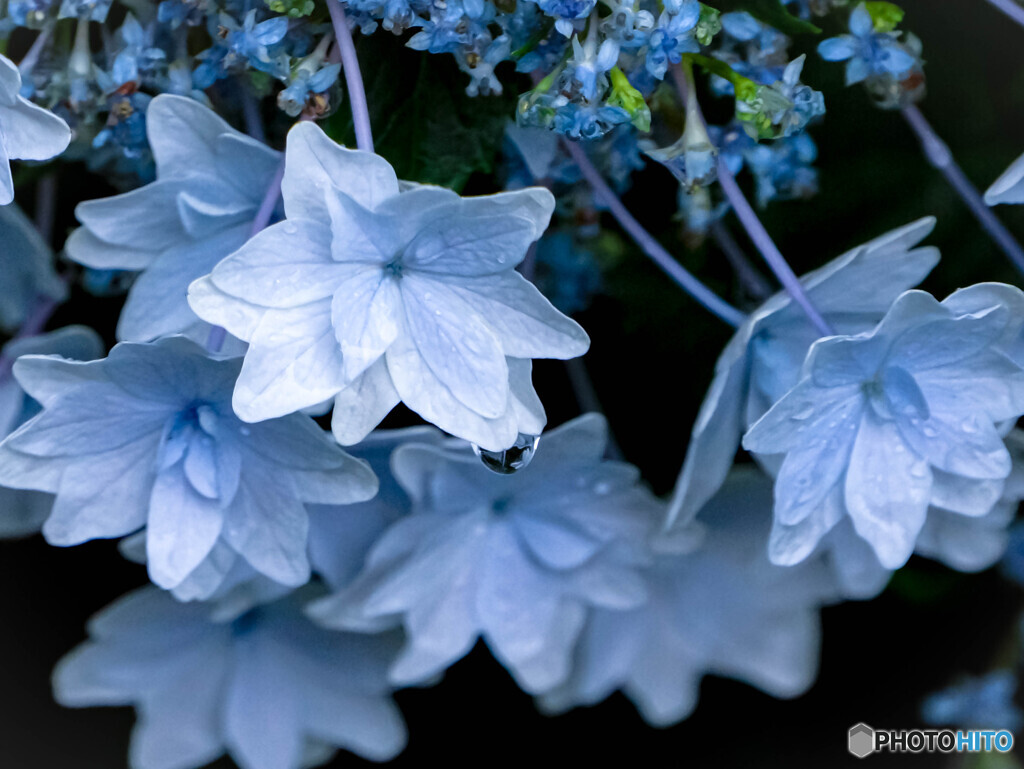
(372, 295)
(1009, 187)
(210, 182)
(722, 609)
(23, 512)
(26, 264)
(884, 422)
(979, 702)
(965, 542)
(674, 34)
(515, 559)
(146, 438)
(867, 52)
(762, 361)
(340, 536)
(27, 131)
(269, 688)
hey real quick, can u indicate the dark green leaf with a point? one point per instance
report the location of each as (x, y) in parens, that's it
(423, 122)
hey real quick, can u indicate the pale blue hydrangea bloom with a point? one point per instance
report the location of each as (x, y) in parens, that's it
(27, 131)
(965, 542)
(515, 559)
(26, 264)
(372, 293)
(269, 688)
(210, 182)
(1009, 187)
(340, 536)
(763, 359)
(867, 52)
(722, 609)
(979, 702)
(22, 512)
(147, 438)
(884, 423)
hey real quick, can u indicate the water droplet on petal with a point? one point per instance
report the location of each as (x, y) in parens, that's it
(510, 460)
(289, 228)
(969, 425)
(806, 411)
(602, 488)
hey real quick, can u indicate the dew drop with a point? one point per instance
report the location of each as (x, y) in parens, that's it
(602, 488)
(510, 460)
(289, 228)
(806, 411)
(969, 426)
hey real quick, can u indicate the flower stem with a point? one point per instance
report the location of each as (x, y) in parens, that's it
(31, 58)
(1011, 9)
(939, 155)
(33, 325)
(353, 78)
(683, 74)
(686, 280)
(764, 243)
(751, 280)
(218, 334)
(266, 209)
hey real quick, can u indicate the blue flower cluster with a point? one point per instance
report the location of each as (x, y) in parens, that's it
(297, 584)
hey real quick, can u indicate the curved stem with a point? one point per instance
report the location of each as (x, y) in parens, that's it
(939, 155)
(686, 280)
(353, 78)
(683, 75)
(31, 58)
(1011, 9)
(33, 325)
(764, 243)
(218, 334)
(751, 280)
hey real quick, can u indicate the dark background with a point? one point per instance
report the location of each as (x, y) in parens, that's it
(651, 360)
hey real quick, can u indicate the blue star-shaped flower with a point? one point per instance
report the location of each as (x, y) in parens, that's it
(210, 182)
(884, 422)
(865, 51)
(372, 293)
(268, 688)
(763, 359)
(146, 438)
(27, 131)
(517, 559)
(721, 609)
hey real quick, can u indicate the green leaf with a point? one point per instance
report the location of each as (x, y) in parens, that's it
(423, 122)
(772, 13)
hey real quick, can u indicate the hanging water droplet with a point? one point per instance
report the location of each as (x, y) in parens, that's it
(510, 460)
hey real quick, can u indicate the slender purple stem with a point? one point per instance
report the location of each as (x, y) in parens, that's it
(763, 242)
(587, 399)
(683, 76)
(686, 280)
(31, 58)
(353, 78)
(752, 281)
(46, 206)
(251, 114)
(266, 209)
(939, 155)
(1011, 9)
(33, 325)
(218, 334)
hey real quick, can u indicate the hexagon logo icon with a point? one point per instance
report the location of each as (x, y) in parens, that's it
(861, 740)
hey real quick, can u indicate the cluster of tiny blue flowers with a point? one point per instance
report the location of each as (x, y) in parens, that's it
(287, 296)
